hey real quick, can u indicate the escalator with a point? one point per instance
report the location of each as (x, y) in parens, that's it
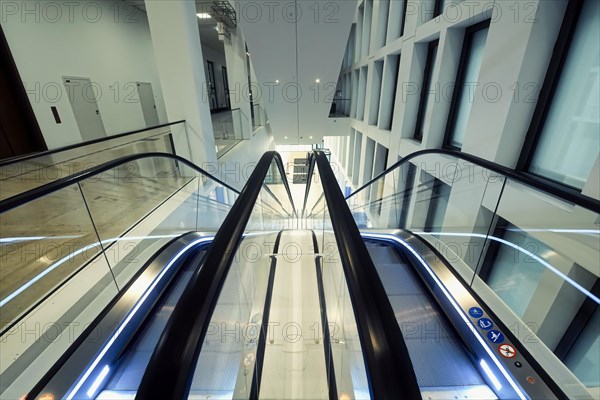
(429, 335)
(262, 309)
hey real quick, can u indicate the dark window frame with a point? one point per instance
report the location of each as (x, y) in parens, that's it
(438, 8)
(226, 87)
(406, 186)
(403, 17)
(548, 90)
(581, 317)
(427, 76)
(457, 94)
(210, 66)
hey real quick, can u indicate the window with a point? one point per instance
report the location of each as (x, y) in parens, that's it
(467, 77)
(564, 137)
(427, 101)
(388, 92)
(513, 275)
(583, 357)
(405, 185)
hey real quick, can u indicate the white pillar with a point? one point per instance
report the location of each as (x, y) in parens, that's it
(237, 72)
(176, 42)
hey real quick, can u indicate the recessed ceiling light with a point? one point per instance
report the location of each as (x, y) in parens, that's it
(285, 137)
(310, 137)
(277, 81)
(203, 15)
(318, 80)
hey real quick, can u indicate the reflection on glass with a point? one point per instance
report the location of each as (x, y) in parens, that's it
(515, 276)
(38, 256)
(530, 255)
(19, 177)
(583, 357)
(68, 253)
(347, 357)
(465, 95)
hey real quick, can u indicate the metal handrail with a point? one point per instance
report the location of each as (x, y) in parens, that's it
(167, 375)
(34, 194)
(390, 372)
(541, 184)
(26, 157)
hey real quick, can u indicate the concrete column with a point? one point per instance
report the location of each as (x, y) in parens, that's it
(510, 79)
(237, 73)
(176, 42)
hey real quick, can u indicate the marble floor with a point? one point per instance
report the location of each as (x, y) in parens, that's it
(22, 176)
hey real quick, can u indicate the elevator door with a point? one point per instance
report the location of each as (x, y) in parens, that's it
(82, 97)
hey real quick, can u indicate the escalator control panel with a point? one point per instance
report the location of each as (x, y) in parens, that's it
(520, 368)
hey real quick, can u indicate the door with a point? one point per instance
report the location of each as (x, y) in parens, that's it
(226, 87)
(148, 104)
(85, 108)
(212, 88)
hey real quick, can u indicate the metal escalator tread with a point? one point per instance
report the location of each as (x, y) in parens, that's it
(133, 364)
(437, 354)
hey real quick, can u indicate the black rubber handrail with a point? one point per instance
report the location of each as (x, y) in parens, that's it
(390, 373)
(34, 194)
(311, 169)
(93, 325)
(169, 372)
(547, 186)
(389, 369)
(26, 157)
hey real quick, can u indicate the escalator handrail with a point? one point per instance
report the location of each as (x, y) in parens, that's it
(169, 372)
(93, 325)
(311, 168)
(29, 156)
(389, 369)
(51, 187)
(539, 183)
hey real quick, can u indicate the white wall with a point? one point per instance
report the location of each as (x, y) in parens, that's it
(106, 41)
(236, 166)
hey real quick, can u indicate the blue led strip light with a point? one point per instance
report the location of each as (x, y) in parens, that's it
(126, 321)
(69, 256)
(524, 251)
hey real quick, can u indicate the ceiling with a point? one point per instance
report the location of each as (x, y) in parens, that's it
(292, 51)
(298, 58)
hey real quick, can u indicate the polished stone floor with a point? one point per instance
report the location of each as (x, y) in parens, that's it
(58, 233)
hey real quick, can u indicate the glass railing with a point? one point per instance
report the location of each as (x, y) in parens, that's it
(67, 253)
(346, 351)
(228, 130)
(25, 173)
(227, 364)
(259, 116)
(531, 254)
